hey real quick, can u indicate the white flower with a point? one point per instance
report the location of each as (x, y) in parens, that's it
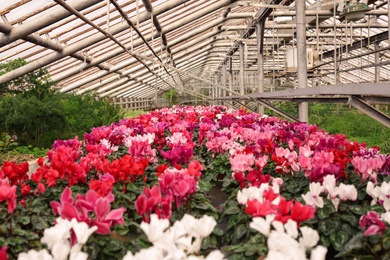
(386, 217)
(318, 253)
(385, 195)
(61, 249)
(78, 255)
(36, 255)
(313, 196)
(373, 191)
(309, 237)
(82, 231)
(215, 255)
(155, 229)
(205, 225)
(284, 244)
(278, 226)
(329, 185)
(347, 192)
(252, 193)
(275, 255)
(262, 225)
(242, 197)
(144, 254)
(57, 233)
(336, 202)
(291, 228)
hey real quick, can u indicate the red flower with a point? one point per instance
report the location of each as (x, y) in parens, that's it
(195, 168)
(258, 209)
(25, 190)
(161, 168)
(301, 213)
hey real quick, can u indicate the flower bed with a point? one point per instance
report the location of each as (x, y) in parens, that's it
(151, 187)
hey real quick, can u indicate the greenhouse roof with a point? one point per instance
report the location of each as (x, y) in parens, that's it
(122, 48)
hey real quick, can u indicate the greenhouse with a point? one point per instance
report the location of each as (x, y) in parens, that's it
(194, 129)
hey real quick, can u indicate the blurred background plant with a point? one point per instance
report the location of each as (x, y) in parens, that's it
(36, 114)
(341, 118)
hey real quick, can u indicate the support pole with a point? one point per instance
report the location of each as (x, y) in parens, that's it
(242, 78)
(377, 68)
(230, 75)
(224, 82)
(260, 60)
(302, 57)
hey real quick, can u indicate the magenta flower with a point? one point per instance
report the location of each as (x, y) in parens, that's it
(372, 224)
(104, 218)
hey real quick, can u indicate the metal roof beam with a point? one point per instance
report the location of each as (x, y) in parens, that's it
(40, 22)
(95, 38)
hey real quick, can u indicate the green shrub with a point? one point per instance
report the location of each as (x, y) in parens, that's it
(38, 115)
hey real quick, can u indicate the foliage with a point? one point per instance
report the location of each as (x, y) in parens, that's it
(34, 121)
(132, 113)
(36, 83)
(171, 96)
(38, 115)
(7, 143)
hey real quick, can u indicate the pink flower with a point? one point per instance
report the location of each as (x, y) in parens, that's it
(104, 219)
(8, 194)
(3, 253)
(242, 162)
(372, 224)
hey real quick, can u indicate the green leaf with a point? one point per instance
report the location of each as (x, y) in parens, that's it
(24, 220)
(218, 231)
(350, 219)
(233, 210)
(357, 209)
(39, 222)
(240, 231)
(205, 186)
(329, 226)
(112, 247)
(339, 239)
(355, 243)
(347, 229)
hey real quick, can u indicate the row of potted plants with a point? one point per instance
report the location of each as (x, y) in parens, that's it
(199, 182)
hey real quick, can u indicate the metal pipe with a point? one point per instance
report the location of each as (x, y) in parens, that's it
(369, 110)
(138, 32)
(322, 13)
(134, 69)
(302, 57)
(58, 13)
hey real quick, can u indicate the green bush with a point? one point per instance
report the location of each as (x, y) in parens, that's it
(38, 115)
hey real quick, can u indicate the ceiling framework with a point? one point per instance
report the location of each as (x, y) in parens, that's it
(203, 48)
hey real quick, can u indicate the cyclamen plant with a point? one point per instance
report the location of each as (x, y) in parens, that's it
(294, 182)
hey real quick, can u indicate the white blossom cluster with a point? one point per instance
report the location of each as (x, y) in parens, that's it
(57, 240)
(284, 241)
(180, 241)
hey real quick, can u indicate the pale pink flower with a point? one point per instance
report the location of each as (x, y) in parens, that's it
(242, 162)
